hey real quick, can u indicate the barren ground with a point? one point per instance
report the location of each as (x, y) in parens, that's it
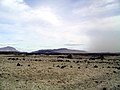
(47, 72)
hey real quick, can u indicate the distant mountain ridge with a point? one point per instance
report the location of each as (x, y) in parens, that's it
(60, 50)
(8, 49)
(43, 51)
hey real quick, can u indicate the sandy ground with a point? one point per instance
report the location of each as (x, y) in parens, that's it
(43, 72)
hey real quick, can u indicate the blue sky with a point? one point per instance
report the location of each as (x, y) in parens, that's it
(91, 25)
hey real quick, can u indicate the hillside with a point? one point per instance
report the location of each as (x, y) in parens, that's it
(60, 50)
(8, 49)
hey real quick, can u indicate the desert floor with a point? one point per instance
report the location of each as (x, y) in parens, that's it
(48, 72)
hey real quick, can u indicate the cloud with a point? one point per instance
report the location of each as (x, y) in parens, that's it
(73, 44)
(61, 23)
(43, 14)
(13, 5)
(100, 8)
(22, 22)
(7, 44)
(12, 9)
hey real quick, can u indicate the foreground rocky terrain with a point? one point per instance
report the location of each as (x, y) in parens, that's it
(59, 72)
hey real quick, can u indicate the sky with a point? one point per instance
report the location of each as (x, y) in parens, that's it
(91, 25)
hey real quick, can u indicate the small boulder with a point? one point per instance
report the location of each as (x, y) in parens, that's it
(104, 88)
(18, 64)
(95, 66)
(70, 56)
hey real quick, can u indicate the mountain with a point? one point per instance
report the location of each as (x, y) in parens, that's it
(60, 50)
(8, 49)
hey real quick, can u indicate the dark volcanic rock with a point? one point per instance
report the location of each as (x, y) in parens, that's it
(18, 64)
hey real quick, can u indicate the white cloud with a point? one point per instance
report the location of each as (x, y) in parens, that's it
(44, 14)
(13, 5)
(98, 8)
(43, 26)
(110, 23)
(19, 11)
(30, 18)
